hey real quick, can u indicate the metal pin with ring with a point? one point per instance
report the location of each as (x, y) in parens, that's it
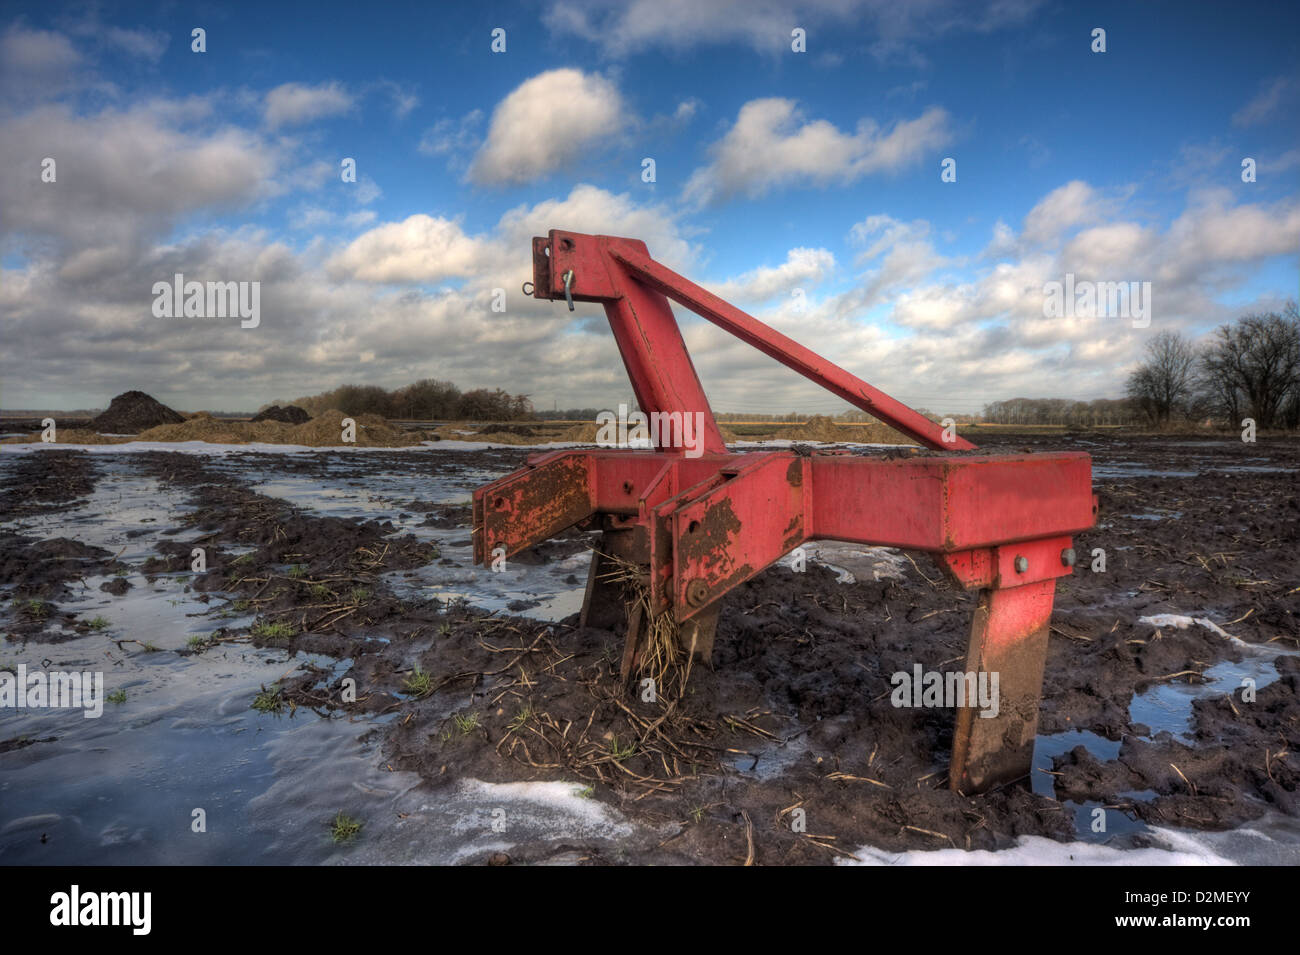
(568, 293)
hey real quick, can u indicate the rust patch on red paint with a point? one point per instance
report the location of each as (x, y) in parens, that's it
(540, 504)
(707, 549)
(707, 538)
(793, 534)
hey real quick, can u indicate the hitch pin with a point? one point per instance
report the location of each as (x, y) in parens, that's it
(568, 294)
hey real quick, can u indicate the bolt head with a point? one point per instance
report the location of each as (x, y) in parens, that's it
(1067, 557)
(697, 591)
(1022, 564)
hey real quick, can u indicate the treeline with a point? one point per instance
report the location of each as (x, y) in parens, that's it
(427, 399)
(795, 417)
(1247, 369)
(1100, 413)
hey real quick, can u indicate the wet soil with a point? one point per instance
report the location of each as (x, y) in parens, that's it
(792, 722)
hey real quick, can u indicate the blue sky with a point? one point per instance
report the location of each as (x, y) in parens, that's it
(776, 170)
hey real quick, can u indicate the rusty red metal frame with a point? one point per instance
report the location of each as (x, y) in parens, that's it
(700, 526)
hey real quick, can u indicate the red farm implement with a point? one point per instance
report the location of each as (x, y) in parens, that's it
(698, 523)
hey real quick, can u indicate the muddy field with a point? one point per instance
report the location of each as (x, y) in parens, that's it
(351, 617)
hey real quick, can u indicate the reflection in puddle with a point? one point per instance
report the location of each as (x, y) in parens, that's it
(184, 745)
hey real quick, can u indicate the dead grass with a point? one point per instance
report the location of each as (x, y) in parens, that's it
(659, 656)
(325, 430)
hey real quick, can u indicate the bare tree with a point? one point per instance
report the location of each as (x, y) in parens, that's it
(1253, 367)
(1164, 382)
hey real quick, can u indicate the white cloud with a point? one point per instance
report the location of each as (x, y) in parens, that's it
(545, 124)
(771, 145)
(291, 104)
(1265, 102)
(905, 252)
(125, 174)
(366, 191)
(420, 248)
(450, 137)
(36, 51)
(623, 26)
(1063, 209)
(142, 44)
(1214, 231)
(596, 211)
(36, 64)
(310, 217)
(801, 267)
(403, 99)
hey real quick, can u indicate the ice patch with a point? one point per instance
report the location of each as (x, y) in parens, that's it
(1178, 849)
(1183, 621)
(548, 810)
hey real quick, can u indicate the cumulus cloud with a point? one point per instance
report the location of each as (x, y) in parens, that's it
(411, 298)
(902, 253)
(420, 248)
(593, 210)
(771, 145)
(291, 104)
(801, 267)
(425, 249)
(35, 51)
(36, 64)
(1063, 209)
(123, 174)
(545, 124)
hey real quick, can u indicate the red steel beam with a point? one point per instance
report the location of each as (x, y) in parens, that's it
(731, 516)
(788, 352)
(634, 289)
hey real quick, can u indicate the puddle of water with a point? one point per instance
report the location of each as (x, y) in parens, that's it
(767, 759)
(1168, 706)
(123, 504)
(1132, 469)
(1117, 822)
(1047, 748)
(543, 592)
(1203, 464)
(125, 787)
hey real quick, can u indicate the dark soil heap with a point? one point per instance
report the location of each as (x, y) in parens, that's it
(132, 412)
(289, 414)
